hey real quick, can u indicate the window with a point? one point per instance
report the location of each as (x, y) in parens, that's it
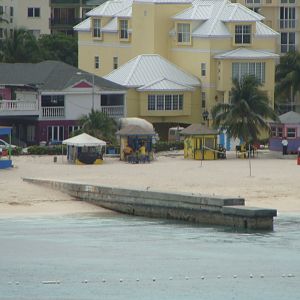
(287, 1)
(96, 62)
(203, 99)
(168, 102)
(288, 41)
(151, 102)
(11, 11)
(160, 105)
(253, 1)
(124, 29)
(203, 69)
(291, 132)
(287, 17)
(55, 133)
(183, 33)
(165, 102)
(243, 34)
(239, 70)
(115, 62)
(33, 12)
(1, 33)
(97, 28)
(71, 129)
(276, 131)
(53, 100)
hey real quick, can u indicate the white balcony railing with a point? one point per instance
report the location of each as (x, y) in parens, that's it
(53, 112)
(116, 111)
(18, 106)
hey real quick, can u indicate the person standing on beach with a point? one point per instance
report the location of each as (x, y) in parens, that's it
(284, 143)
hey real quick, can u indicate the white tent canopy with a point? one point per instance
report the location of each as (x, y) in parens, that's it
(84, 139)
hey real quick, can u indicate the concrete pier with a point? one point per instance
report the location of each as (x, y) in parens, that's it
(204, 209)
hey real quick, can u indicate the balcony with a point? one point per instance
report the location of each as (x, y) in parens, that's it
(53, 112)
(114, 111)
(18, 108)
(63, 22)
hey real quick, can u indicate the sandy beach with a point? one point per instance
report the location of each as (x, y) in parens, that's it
(274, 182)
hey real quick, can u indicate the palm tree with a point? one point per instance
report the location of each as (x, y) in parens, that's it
(21, 47)
(247, 113)
(99, 125)
(288, 79)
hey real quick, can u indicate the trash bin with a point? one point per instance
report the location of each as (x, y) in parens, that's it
(55, 159)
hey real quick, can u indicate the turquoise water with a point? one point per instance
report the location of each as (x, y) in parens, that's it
(124, 257)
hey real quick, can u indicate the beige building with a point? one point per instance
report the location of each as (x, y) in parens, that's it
(282, 16)
(33, 15)
(212, 40)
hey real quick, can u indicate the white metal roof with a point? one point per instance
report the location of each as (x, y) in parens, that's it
(164, 84)
(244, 53)
(264, 30)
(110, 8)
(147, 68)
(214, 13)
(84, 25)
(235, 12)
(111, 26)
(196, 12)
(84, 139)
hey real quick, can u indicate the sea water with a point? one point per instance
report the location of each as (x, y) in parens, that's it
(90, 256)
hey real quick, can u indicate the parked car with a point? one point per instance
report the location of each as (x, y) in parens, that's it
(4, 145)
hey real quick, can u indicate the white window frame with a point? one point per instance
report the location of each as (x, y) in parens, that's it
(287, 17)
(183, 33)
(36, 12)
(290, 44)
(57, 128)
(243, 34)
(203, 99)
(240, 69)
(97, 28)
(165, 102)
(123, 29)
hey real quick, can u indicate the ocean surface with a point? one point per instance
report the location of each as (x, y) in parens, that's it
(90, 256)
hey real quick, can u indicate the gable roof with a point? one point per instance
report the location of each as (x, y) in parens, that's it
(84, 139)
(198, 129)
(50, 75)
(244, 53)
(147, 68)
(290, 117)
(163, 84)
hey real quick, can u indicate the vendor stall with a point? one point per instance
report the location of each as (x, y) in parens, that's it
(136, 144)
(85, 149)
(200, 142)
(5, 153)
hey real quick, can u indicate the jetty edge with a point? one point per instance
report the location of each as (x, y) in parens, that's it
(191, 207)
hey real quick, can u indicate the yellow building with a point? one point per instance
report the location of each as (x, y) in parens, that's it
(211, 40)
(282, 16)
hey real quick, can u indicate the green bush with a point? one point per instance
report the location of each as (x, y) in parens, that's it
(167, 146)
(47, 150)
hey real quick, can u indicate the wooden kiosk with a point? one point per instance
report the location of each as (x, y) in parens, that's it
(5, 154)
(200, 142)
(132, 139)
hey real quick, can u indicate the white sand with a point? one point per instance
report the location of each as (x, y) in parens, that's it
(275, 182)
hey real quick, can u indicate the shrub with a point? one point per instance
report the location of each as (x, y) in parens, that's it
(167, 146)
(47, 150)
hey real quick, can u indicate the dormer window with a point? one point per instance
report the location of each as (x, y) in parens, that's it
(123, 29)
(97, 28)
(183, 33)
(243, 34)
